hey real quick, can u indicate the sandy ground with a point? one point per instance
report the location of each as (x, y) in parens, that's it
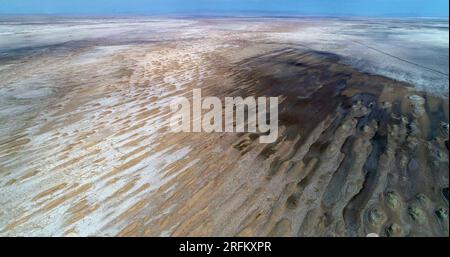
(85, 148)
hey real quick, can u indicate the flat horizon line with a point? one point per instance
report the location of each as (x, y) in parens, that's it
(243, 14)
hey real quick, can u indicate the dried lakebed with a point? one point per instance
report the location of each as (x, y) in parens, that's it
(85, 148)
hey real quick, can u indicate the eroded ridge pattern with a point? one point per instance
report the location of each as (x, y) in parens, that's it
(85, 147)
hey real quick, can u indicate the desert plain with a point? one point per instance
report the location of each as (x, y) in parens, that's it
(85, 148)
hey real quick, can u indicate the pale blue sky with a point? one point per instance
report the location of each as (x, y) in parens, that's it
(427, 8)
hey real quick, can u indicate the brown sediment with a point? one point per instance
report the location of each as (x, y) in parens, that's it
(80, 210)
(54, 203)
(129, 164)
(49, 191)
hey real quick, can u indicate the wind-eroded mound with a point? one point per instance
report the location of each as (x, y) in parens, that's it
(358, 153)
